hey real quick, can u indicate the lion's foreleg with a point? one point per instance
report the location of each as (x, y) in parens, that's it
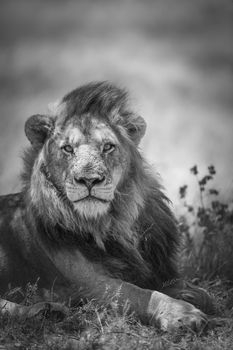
(117, 293)
(150, 306)
(89, 280)
(11, 308)
(44, 308)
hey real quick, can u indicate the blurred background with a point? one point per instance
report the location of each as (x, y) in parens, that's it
(174, 56)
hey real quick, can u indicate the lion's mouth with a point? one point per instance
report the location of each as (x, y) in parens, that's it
(91, 206)
(94, 197)
(91, 199)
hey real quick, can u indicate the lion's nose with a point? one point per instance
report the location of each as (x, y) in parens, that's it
(89, 182)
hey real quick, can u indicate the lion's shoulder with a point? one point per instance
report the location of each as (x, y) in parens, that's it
(11, 202)
(11, 209)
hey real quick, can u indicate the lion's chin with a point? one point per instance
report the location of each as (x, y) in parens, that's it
(91, 207)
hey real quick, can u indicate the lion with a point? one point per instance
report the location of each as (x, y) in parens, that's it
(92, 221)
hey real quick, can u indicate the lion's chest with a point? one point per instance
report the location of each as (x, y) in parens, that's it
(75, 268)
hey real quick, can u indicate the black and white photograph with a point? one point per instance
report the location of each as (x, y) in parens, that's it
(116, 174)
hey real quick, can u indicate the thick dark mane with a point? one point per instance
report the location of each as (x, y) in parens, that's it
(29, 156)
(131, 252)
(97, 98)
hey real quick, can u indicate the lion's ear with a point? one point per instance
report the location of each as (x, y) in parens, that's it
(37, 128)
(136, 129)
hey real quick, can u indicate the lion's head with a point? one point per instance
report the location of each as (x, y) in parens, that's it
(84, 156)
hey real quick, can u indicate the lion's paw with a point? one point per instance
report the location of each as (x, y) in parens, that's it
(172, 314)
(55, 311)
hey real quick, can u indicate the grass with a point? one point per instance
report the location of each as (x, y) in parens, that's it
(211, 222)
(90, 327)
(207, 264)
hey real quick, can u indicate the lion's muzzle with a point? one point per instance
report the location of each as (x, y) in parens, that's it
(89, 182)
(90, 192)
(95, 187)
(90, 196)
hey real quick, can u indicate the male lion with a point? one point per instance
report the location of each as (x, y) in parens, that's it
(92, 221)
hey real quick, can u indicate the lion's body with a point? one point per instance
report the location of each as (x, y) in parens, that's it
(23, 259)
(91, 220)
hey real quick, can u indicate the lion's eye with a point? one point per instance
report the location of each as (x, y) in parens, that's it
(108, 147)
(68, 149)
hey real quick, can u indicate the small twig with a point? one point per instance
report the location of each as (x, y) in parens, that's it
(98, 317)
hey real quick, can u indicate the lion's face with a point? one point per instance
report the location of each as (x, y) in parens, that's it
(84, 156)
(86, 162)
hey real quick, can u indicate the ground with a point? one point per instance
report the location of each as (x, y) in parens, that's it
(89, 327)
